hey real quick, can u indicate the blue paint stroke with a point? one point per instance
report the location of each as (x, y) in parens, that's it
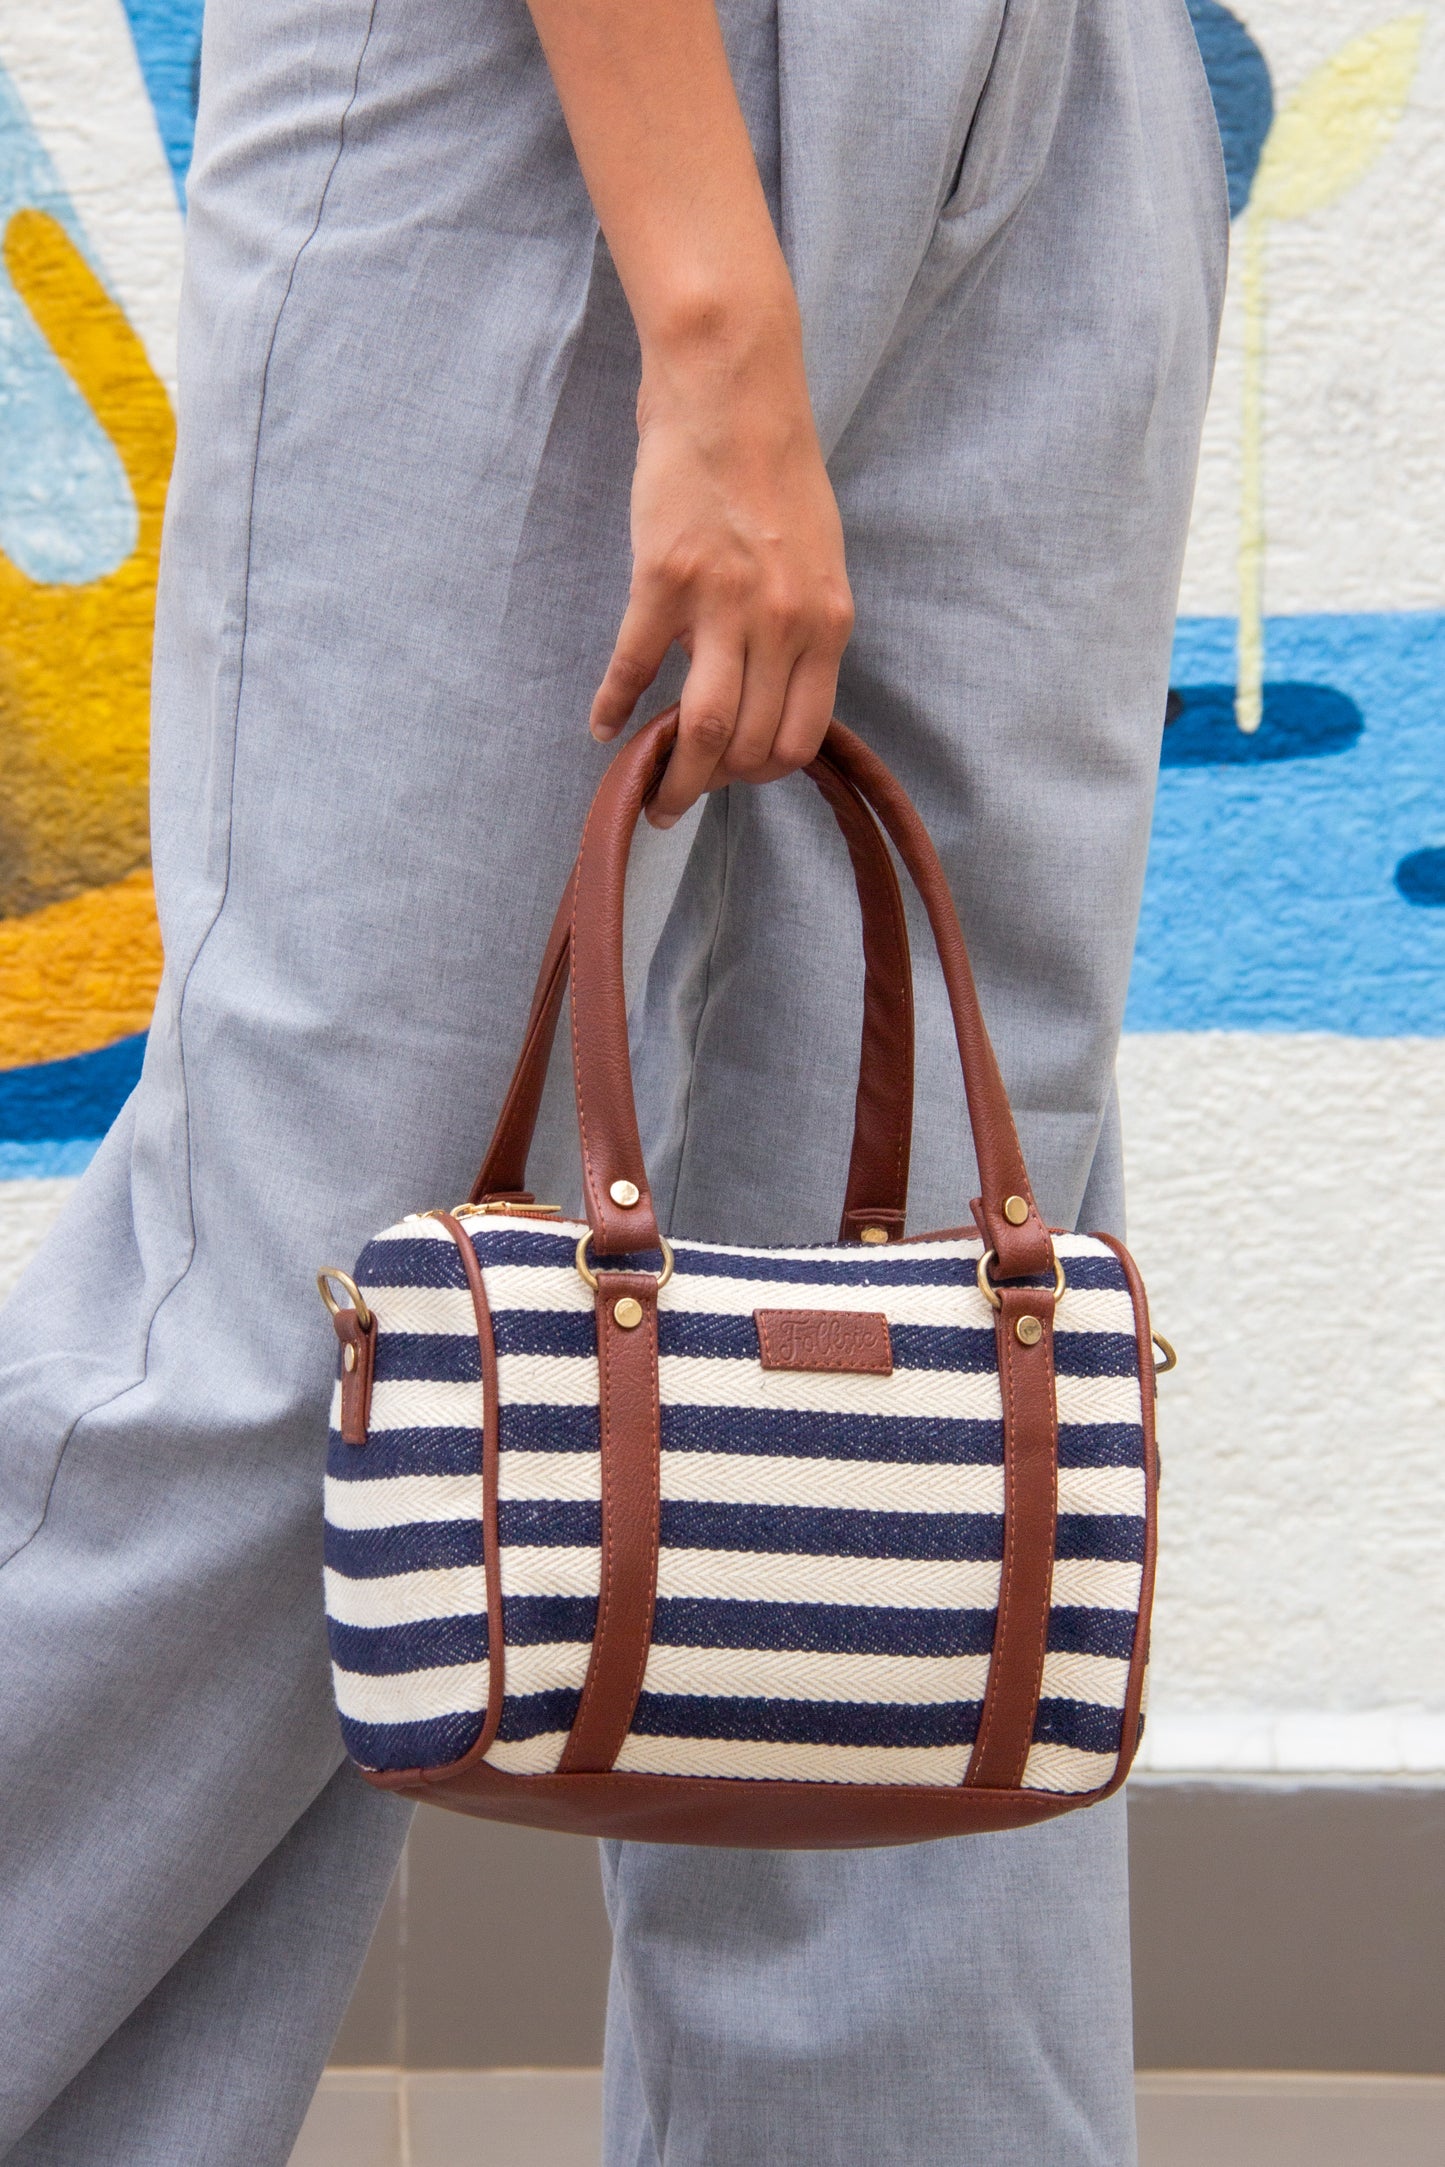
(1240, 87)
(1420, 878)
(1300, 722)
(60, 1102)
(31, 1162)
(167, 36)
(67, 515)
(1271, 902)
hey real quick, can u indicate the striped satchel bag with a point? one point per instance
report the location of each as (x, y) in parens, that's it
(692, 1543)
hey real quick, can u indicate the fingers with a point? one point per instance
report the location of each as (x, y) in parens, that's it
(706, 721)
(643, 638)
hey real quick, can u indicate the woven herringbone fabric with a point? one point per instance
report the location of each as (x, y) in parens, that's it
(830, 1544)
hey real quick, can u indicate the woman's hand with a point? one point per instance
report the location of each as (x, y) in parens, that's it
(737, 545)
(737, 554)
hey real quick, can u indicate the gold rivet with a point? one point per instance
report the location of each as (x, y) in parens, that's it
(1015, 1210)
(627, 1312)
(872, 1233)
(348, 1358)
(1028, 1331)
(625, 1193)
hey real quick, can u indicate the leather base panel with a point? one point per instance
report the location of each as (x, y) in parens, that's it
(726, 1812)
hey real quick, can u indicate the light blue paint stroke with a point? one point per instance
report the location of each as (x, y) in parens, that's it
(1270, 902)
(167, 35)
(41, 1162)
(67, 515)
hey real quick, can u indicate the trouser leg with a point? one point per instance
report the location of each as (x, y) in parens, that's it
(219, 2061)
(1015, 487)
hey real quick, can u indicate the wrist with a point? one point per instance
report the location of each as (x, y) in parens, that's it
(712, 345)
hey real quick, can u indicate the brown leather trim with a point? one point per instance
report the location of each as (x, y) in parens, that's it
(491, 1532)
(1030, 1443)
(504, 1169)
(853, 1342)
(631, 1444)
(721, 1810)
(1132, 1727)
(356, 1381)
(877, 1192)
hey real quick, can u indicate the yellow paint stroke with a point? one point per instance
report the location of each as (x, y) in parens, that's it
(78, 974)
(75, 661)
(1323, 140)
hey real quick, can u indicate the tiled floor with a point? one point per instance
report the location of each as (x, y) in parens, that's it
(1187, 2118)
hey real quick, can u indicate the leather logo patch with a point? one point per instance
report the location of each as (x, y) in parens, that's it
(852, 1340)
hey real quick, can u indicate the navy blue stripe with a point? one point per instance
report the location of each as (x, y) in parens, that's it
(819, 1628)
(527, 1715)
(527, 1427)
(371, 1553)
(412, 1745)
(1096, 1354)
(1080, 1724)
(410, 1263)
(1101, 1444)
(802, 1722)
(427, 1357)
(531, 1621)
(828, 1531)
(387, 1453)
(1117, 1537)
(927, 1440)
(555, 1522)
(382, 1651)
(1092, 1632)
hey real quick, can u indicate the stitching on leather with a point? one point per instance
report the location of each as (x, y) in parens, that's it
(996, 1671)
(644, 1638)
(1041, 1649)
(596, 1663)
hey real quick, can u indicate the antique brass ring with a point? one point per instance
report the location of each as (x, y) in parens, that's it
(343, 1279)
(991, 1294)
(589, 1277)
(1171, 1359)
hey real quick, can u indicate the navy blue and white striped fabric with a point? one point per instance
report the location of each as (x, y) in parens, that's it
(830, 1544)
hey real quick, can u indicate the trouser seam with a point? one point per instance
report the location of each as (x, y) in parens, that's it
(702, 1006)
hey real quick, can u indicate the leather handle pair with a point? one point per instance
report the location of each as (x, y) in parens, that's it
(877, 1190)
(849, 774)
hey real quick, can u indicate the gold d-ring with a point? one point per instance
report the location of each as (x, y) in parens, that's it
(989, 1292)
(1171, 1359)
(345, 1280)
(590, 1277)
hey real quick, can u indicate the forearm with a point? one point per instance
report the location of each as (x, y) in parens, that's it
(655, 121)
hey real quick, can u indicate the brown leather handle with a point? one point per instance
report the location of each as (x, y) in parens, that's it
(606, 1112)
(877, 1191)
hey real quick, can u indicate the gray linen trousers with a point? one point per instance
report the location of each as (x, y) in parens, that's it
(396, 554)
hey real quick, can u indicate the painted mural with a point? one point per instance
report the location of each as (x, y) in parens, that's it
(1284, 1068)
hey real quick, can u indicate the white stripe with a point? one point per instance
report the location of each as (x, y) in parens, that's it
(413, 1696)
(1097, 1399)
(420, 1403)
(1102, 1489)
(402, 1500)
(424, 1309)
(796, 1674)
(761, 1761)
(884, 1583)
(549, 1667)
(702, 1381)
(415, 1227)
(575, 1476)
(1094, 1584)
(1101, 1680)
(527, 1756)
(453, 1591)
(744, 1478)
(1065, 1768)
(539, 1570)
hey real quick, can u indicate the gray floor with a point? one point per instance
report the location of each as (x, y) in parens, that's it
(1272, 1930)
(551, 2118)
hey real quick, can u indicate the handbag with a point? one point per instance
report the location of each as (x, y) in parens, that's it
(690, 1542)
